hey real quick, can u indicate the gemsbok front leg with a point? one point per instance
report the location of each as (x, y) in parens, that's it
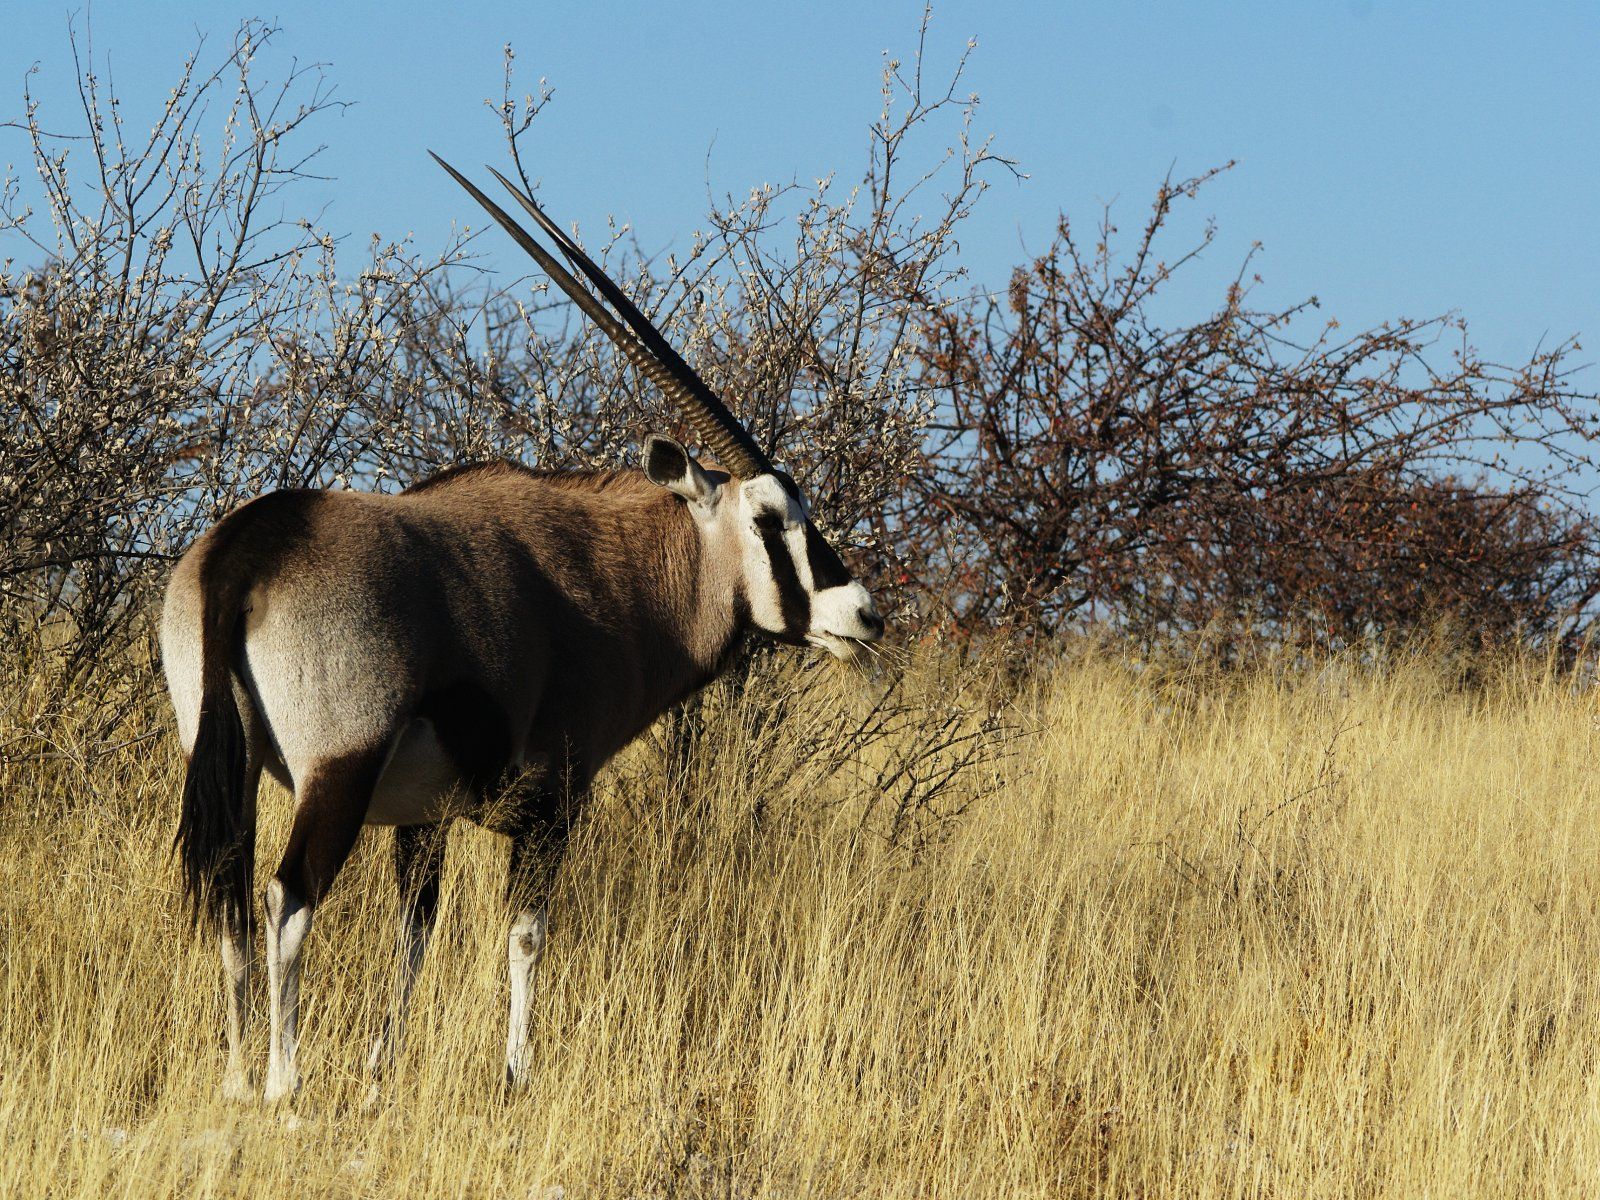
(330, 807)
(418, 862)
(535, 857)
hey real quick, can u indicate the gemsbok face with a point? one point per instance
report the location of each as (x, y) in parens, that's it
(795, 585)
(478, 645)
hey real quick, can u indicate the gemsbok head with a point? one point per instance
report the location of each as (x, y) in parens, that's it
(478, 645)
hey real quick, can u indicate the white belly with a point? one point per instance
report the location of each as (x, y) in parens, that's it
(420, 783)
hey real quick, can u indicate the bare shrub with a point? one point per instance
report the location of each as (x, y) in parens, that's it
(799, 304)
(176, 350)
(1092, 462)
(175, 347)
(901, 753)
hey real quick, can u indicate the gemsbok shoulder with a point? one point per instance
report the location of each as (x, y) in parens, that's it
(478, 645)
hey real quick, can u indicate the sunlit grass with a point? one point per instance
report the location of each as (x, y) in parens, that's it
(1328, 930)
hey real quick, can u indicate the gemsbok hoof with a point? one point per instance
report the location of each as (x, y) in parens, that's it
(281, 1089)
(238, 1087)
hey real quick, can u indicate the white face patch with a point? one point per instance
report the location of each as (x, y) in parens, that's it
(806, 589)
(794, 583)
(777, 574)
(840, 620)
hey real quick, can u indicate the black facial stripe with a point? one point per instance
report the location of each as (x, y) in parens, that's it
(793, 602)
(827, 570)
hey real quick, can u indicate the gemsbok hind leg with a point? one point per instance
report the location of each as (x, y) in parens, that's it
(330, 807)
(418, 862)
(234, 937)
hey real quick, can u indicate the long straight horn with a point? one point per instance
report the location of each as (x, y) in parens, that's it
(592, 308)
(733, 447)
(733, 442)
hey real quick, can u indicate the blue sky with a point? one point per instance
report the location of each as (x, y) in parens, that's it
(1394, 159)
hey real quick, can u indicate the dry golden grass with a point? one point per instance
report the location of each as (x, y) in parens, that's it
(1326, 931)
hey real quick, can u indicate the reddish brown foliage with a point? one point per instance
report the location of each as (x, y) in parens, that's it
(1090, 462)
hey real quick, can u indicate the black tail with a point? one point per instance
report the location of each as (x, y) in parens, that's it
(216, 839)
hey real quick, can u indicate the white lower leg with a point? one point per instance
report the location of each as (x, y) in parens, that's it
(236, 979)
(288, 922)
(525, 945)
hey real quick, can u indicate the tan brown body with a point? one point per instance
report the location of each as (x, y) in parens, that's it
(524, 616)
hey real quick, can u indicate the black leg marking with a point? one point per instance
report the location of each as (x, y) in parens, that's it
(329, 811)
(418, 863)
(537, 847)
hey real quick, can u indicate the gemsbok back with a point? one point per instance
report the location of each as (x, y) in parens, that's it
(478, 645)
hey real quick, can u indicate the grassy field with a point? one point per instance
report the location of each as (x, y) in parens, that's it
(1327, 930)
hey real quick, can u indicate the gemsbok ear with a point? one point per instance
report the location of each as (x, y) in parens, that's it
(667, 464)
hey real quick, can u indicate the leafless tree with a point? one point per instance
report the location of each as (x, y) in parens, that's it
(171, 345)
(1089, 462)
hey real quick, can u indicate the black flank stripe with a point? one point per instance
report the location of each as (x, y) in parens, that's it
(474, 731)
(826, 568)
(793, 602)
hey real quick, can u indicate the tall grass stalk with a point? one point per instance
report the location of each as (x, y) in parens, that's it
(1321, 930)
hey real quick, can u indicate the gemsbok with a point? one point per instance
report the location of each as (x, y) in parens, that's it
(478, 645)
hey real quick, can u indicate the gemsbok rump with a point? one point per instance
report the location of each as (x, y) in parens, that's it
(478, 645)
